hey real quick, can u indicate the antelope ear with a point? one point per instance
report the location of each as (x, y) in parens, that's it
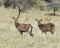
(12, 17)
(41, 19)
(36, 20)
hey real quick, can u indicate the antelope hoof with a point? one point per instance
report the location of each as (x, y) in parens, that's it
(21, 33)
(42, 31)
(31, 34)
(45, 32)
(52, 32)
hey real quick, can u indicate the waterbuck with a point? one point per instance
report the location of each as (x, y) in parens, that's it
(21, 27)
(46, 27)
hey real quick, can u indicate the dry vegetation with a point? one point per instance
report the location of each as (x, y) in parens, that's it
(11, 38)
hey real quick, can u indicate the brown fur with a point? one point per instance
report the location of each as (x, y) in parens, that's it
(21, 27)
(46, 27)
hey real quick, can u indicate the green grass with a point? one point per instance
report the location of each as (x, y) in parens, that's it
(11, 38)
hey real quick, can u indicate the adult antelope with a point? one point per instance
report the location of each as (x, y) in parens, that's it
(22, 27)
(46, 27)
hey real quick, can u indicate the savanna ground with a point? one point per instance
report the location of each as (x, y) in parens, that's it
(11, 38)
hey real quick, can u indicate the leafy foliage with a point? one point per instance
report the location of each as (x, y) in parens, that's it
(53, 5)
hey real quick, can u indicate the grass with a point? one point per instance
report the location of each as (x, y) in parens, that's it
(11, 38)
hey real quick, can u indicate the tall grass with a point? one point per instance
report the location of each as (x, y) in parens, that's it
(11, 38)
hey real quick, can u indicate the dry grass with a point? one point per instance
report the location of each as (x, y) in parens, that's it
(11, 38)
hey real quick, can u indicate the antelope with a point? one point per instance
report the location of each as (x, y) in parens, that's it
(46, 27)
(21, 27)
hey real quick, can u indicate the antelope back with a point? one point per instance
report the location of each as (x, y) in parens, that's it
(23, 27)
(52, 26)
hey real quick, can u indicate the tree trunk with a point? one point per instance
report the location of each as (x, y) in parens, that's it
(14, 3)
(54, 11)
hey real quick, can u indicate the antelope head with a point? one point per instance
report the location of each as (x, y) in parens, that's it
(14, 19)
(38, 21)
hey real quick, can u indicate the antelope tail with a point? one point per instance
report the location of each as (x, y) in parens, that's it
(31, 31)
